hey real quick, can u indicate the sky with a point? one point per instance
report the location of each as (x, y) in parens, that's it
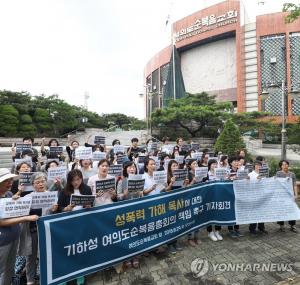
(94, 47)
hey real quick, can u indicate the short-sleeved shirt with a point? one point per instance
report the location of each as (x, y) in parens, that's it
(289, 174)
(10, 233)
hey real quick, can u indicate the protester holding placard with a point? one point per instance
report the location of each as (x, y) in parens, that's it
(122, 184)
(254, 176)
(75, 186)
(22, 167)
(134, 149)
(241, 163)
(10, 231)
(86, 167)
(58, 183)
(178, 147)
(211, 174)
(192, 165)
(150, 187)
(223, 163)
(204, 160)
(53, 143)
(234, 231)
(29, 244)
(284, 172)
(172, 165)
(71, 149)
(103, 197)
(26, 141)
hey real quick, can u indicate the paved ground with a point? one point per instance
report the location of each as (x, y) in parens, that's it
(164, 269)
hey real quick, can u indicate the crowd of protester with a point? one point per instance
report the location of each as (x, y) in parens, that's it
(19, 240)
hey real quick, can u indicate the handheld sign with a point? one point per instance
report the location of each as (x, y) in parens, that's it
(82, 200)
(56, 150)
(105, 185)
(27, 159)
(24, 179)
(195, 146)
(179, 159)
(197, 155)
(98, 155)
(119, 148)
(141, 158)
(180, 175)
(264, 171)
(121, 158)
(168, 148)
(152, 146)
(160, 177)
(200, 173)
(115, 170)
(135, 184)
(249, 167)
(57, 172)
(242, 174)
(43, 200)
(10, 208)
(83, 153)
(185, 147)
(99, 140)
(221, 173)
(20, 147)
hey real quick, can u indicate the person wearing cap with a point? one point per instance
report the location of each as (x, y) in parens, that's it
(9, 231)
(254, 176)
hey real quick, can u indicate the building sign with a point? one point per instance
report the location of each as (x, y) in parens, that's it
(207, 23)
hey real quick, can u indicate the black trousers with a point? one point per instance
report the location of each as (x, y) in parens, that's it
(291, 223)
(235, 227)
(209, 228)
(252, 227)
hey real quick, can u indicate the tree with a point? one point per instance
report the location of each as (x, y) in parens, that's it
(230, 140)
(294, 12)
(43, 121)
(8, 120)
(26, 127)
(194, 113)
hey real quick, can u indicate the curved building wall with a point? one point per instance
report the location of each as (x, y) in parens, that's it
(211, 68)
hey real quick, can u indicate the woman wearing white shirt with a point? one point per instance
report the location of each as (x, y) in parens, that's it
(102, 197)
(213, 235)
(150, 188)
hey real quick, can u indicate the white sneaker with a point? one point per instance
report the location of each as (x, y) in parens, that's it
(212, 236)
(218, 235)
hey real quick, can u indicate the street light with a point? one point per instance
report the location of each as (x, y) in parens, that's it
(284, 91)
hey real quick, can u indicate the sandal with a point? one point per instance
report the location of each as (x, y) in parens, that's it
(135, 263)
(128, 264)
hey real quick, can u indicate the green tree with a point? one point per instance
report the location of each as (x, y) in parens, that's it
(230, 140)
(26, 127)
(294, 12)
(8, 120)
(193, 113)
(43, 121)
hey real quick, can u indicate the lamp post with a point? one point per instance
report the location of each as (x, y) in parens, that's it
(284, 92)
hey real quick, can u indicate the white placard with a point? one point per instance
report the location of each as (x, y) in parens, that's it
(179, 159)
(119, 148)
(57, 172)
(27, 159)
(265, 200)
(98, 155)
(43, 200)
(83, 153)
(10, 208)
(242, 174)
(197, 155)
(221, 173)
(200, 173)
(160, 177)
